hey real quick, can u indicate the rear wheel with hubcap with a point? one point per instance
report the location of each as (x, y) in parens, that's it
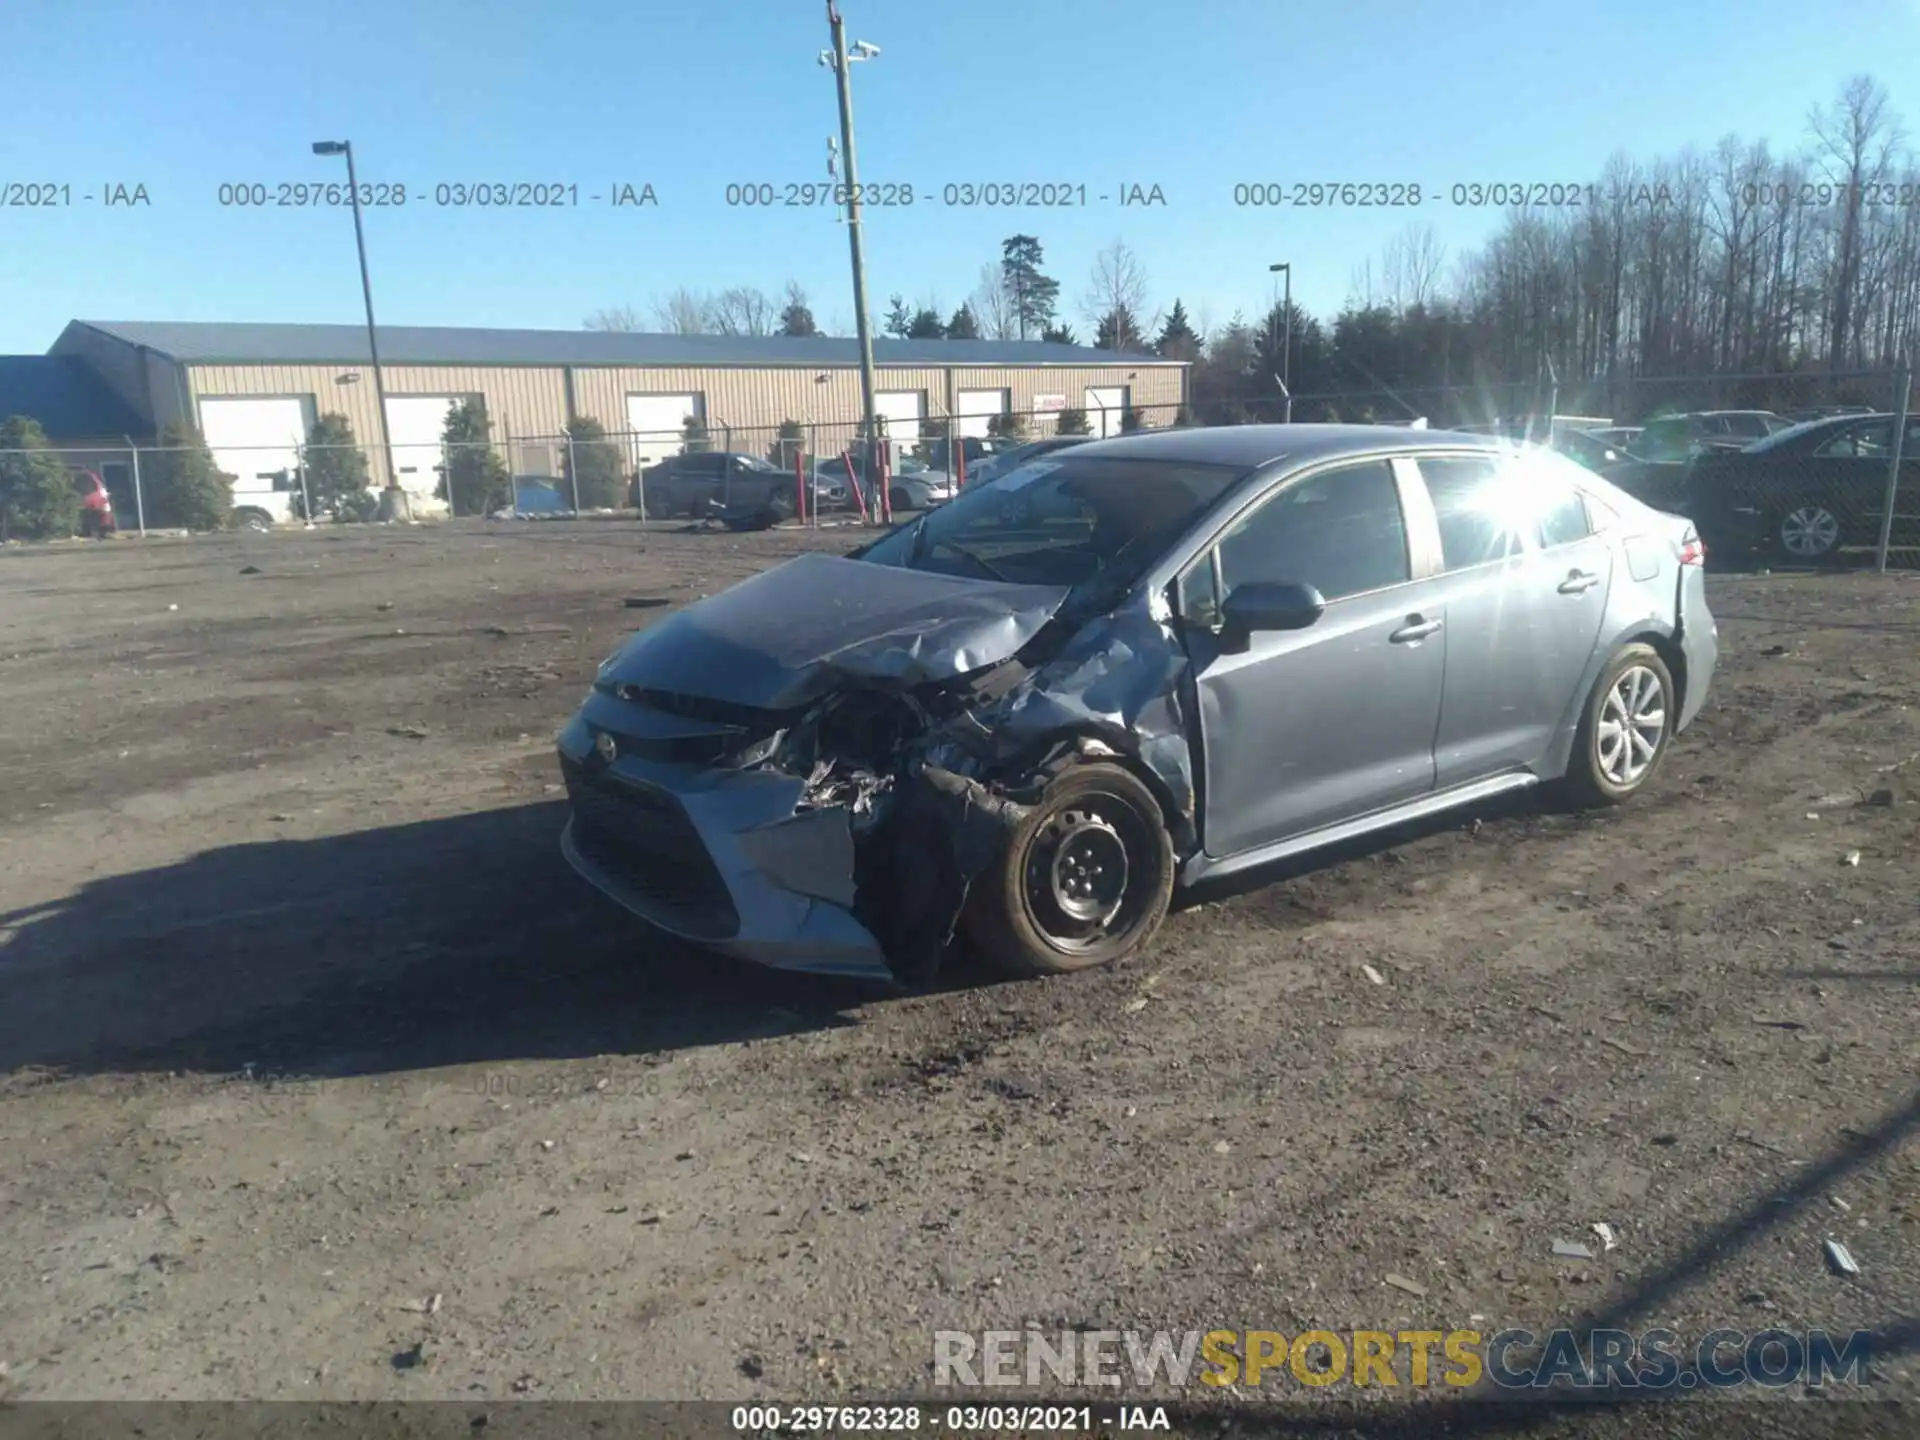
(1085, 880)
(1624, 733)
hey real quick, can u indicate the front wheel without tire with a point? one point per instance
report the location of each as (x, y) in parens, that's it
(1624, 731)
(1084, 881)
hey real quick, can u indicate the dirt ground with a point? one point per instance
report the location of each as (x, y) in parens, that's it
(304, 1022)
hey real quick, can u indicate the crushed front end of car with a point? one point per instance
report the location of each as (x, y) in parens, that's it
(808, 771)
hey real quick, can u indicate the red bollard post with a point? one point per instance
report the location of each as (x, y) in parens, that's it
(853, 480)
(959, 465)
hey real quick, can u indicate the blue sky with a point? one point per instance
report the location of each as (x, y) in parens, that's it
(183, 96)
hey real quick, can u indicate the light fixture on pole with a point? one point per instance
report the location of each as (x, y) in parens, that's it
(345, 147)
(836, 60)
(1285, 377)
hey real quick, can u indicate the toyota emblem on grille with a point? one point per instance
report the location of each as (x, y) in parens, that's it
(605, 747)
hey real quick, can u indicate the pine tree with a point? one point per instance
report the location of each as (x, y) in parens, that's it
(1059, 335)
(1119, 331)
(899, 319)
(1033, 293)
(961, 326)
(182, 486)
(473, 478)
(332, 464)
(927, 325)
(37, 498)
(592, 465)
(1177, 338)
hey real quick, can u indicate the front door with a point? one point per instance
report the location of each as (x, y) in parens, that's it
(1301, 729)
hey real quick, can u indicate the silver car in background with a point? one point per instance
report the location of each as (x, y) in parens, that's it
(1038, 710)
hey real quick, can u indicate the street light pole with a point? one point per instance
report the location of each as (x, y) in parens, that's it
(837, 60)
(1286, 344)
(345, 147)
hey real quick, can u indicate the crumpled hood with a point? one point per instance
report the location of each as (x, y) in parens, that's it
(790, 635)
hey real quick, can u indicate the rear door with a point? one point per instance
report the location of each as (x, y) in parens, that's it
(1525, 594)
(1302, 729)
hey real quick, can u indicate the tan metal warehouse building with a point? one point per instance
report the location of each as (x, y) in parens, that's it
(253, 390)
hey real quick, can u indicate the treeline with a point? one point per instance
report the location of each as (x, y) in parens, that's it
(1798, 264)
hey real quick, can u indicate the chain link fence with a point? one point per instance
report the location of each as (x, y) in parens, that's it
(1806, 468)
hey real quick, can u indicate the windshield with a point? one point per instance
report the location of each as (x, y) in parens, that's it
(1069, 521)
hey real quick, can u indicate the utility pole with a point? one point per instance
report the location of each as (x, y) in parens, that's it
(1285, 376)
(345, 148)
(837, 60)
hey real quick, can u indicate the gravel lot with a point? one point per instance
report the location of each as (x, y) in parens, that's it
(304, 1022)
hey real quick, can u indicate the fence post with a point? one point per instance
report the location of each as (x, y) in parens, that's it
(139, 502)
(573, 474)
(306, 499)
(1903, 378)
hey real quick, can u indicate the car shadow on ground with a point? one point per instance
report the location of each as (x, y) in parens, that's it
(442, 942)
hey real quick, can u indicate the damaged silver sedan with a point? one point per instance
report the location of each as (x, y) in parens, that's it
(1034, 713)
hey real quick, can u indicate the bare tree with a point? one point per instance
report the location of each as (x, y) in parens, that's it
(1414, 261)
(1856, 142)
(1117, 283)
(745, 310)
(993, 306)
(683, 313)
(616, 317)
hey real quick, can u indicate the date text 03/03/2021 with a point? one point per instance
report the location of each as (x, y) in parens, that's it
(909, 1419)
(954, 194)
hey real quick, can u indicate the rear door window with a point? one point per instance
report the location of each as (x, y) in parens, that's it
(1476, 527)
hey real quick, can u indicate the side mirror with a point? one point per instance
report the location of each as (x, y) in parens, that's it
(1268, 605)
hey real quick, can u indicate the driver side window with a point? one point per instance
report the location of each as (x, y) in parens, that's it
(1340, 531)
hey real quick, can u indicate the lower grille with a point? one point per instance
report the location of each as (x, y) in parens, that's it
(641, 838)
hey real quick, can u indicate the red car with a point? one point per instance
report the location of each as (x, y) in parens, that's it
(96, 505)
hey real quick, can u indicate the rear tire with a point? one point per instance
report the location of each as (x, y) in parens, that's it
(1085, 879)
(249, 518)
(1632, 707)
(898, 499)
(1808, 532)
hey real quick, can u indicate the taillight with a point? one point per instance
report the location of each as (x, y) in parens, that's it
(1693, 550)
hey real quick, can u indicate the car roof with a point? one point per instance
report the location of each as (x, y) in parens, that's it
(1255, 446)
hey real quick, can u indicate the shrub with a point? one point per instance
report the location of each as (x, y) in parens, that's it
(1073, 422)
(334, 466)
(473, 475)
(593, 464)
(37, 498)
(182, 486)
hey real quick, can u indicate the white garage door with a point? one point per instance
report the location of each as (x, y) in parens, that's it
(257, 442)
(658, 423)
(416, 425)
(974, 408)
(900, 412)
(1105, 406)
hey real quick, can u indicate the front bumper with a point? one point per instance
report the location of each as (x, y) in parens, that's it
(721, 858)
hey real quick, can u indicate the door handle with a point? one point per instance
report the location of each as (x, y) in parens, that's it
(1415, 629)
(1578, 582)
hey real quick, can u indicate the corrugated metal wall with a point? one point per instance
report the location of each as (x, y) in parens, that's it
(532, 400)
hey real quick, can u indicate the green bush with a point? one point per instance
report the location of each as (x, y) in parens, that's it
(473, 475)
(182, 487)
(788, 446)
(333, 464)
(1009, 425)
(1073, 422)
(37, 498)
(593, 464)
(694, 439)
